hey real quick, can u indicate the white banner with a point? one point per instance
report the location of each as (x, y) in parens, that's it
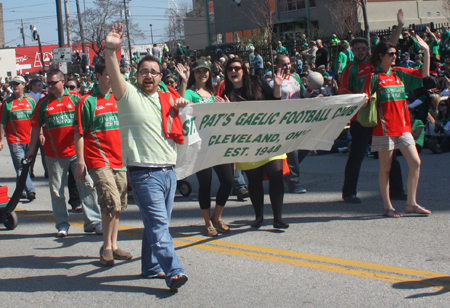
(250, 131)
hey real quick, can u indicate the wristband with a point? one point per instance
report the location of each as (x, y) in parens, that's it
(113, 49)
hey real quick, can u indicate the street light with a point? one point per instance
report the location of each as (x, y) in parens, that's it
(151, 31)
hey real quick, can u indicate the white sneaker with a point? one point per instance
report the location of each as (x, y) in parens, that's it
(62, 232)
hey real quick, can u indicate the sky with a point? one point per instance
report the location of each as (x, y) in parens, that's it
(43, 16)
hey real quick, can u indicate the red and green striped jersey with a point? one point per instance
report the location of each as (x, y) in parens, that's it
(97, 120)
(353, 78)
(16, 115)
(58, 115)
(393, 114)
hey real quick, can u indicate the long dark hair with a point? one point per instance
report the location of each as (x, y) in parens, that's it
(442, 116)
(209, 85)
(381, 48)
(251, 84)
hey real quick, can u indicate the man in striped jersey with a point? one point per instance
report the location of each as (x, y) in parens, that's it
(57, 111)
(97, 143)
(15, 118)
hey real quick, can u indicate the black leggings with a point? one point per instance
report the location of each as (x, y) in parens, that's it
(226, 177)
(274, 172)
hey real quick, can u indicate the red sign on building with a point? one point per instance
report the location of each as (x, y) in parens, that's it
(28, 59)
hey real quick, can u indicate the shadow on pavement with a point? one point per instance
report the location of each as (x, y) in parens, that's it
(442, 282)
(87, 281)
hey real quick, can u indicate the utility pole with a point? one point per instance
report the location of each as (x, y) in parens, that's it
(23, 32)
(128, 31)
(42, 55)
(81, 26)
(366, 21)
(60, 24)
(69, 35)
(151, 31)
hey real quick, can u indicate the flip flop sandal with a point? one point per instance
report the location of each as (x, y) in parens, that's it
(391, 213)
(177, 282)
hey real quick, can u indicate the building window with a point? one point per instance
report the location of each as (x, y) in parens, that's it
(213, 39)
(229, 37)
(293, 5)
(438, 14)
(428, 14)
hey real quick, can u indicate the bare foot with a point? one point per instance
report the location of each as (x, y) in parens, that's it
(417, 209)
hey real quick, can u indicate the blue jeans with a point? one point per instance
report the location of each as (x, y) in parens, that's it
(239, 181)
(58, 169)
(154, 192)
(17, 153)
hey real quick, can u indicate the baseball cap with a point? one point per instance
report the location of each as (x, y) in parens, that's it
(18, 79)
(373, 35)
(406, 54)
(200, 63)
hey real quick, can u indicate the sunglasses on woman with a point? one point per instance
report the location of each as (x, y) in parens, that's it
(234, 68)
(391, 53)
(72, 87)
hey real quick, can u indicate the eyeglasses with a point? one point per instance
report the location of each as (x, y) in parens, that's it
(360, 48)
(234, 68)
(391, 53)
(53, 83)
(72, 87)
(442, 105)
(170, 82)
(147, 72)
(13, 84)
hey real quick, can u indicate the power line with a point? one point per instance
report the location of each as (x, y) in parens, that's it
(26, 6)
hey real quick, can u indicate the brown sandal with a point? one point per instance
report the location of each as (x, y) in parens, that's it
(211, 231)
(221, 226)
(392, 213)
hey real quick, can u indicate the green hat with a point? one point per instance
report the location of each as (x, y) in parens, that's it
(200, 63)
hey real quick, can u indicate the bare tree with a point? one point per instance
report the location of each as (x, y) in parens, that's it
(97, 22)
(264, 14)
(344, 15)
(175, 30)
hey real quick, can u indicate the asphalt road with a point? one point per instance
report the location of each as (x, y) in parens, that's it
(333, 255)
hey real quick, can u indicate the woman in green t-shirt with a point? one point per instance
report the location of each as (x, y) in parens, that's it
(200, 90)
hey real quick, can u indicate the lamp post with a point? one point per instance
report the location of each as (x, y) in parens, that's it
(151, 31)
(128, 30)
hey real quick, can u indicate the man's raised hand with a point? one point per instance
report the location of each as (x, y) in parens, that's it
(115, 36)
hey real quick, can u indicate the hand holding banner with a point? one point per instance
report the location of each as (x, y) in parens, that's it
(251, 131)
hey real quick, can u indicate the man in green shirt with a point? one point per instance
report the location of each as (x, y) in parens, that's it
(281, 49)
(149, 152)
(433, 42)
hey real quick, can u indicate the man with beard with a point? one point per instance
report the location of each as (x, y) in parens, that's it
(352, 81)
(150, 131)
